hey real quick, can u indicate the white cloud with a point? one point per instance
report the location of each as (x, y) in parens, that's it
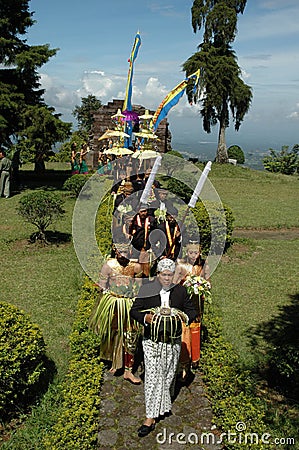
(152, 94)
(57, 95)
(103, 86)
(245, 75)
(293, 115)
(148, 92)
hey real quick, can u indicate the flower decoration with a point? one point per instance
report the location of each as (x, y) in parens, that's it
(160, 215)
(197, 285)
(124, 208)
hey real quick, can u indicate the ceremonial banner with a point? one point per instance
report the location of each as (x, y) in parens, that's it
(172, 98)
(127, 102)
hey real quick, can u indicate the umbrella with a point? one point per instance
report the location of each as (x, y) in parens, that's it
(118, 151)
(146, 115)
(117, 133)
(117, 115)
(105, 135)
(146, 134)
(145, 154)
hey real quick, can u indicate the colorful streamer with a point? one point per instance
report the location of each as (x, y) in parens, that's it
(127, 102)
(172, 98)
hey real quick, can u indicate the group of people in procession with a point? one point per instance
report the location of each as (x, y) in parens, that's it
(144, 308)
(143, 295)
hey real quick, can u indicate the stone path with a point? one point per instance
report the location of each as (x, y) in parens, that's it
(123, 411)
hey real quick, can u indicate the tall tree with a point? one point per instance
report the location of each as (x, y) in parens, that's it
(40, 129)
(20, 92)
(84, 114)
(221, 89)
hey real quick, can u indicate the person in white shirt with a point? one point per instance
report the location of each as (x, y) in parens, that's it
(161, 348)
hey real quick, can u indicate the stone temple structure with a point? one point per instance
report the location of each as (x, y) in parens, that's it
(103, 121)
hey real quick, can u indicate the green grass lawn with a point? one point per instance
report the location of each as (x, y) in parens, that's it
(43, 281)
(251, 284)
(258, 199)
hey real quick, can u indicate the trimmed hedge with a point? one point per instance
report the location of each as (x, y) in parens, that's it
(76, 423)
(231, 390)
(213, 217)
(22, 358)
(235, 152)
(75, 183)
(41, 208)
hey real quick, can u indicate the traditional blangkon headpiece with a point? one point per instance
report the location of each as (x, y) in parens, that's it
(166, 264)
(194, 245)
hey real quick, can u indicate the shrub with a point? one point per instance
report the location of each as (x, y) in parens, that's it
(231, 390)
(41, 208)
(75, 183)
(286, 161)
(180, 188)
(212, 216)
(22, 358)
(235, 152)
(215, 218)
(76, 424)
(103, 225)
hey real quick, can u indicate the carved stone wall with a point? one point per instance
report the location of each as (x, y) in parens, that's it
(103, 121)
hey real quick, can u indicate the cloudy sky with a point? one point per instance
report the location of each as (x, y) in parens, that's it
(95, 40)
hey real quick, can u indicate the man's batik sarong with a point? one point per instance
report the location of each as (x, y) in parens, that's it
(161, 363)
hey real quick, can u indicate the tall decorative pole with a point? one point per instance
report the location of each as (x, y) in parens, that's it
(200, 184)
(195, 195)
(150, 180)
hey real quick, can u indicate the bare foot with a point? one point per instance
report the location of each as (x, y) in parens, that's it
(112, 371)
(130, 377)
(149, 422)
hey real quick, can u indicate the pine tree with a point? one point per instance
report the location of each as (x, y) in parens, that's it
(21, 96)
(221, 89)
(84, 114)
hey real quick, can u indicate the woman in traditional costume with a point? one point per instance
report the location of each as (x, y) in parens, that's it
(160, 307)
(193, 265)
(111, 319)
(101, 164)
(74, 161)
(83, 166)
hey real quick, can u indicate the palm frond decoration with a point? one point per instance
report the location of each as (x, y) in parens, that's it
(112, 312)
(167, 327)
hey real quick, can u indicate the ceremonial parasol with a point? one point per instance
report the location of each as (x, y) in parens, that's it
(118, 115)
(117, 133)
(105, 135)
(146, 115)
(146, 134)
(145, 154)
(117, 151)
(131, 116)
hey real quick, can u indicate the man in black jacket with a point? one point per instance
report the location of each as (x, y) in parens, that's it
(161, 355)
